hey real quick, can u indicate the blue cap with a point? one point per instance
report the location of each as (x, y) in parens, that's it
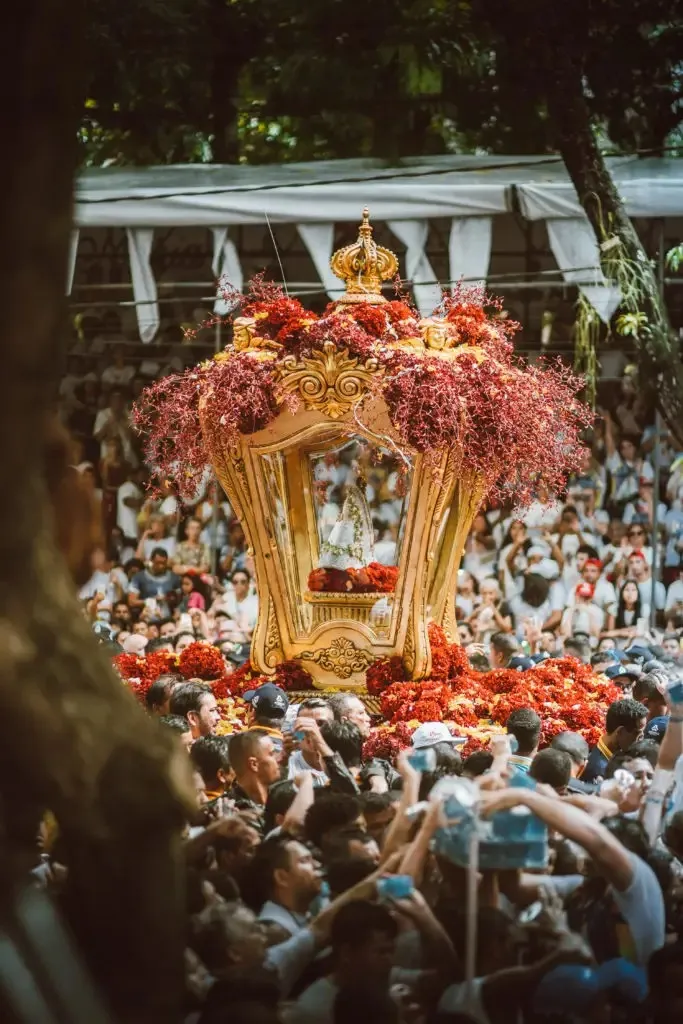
(655, 729)
(521, 663)
(568, 988)
(639, 654)
(618, 671)
(268, 700)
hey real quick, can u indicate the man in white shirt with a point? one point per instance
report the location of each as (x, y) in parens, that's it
(640, 571)
(129, 498)
(674, 595)
(114, 423)
(604, 594)
(118, 375)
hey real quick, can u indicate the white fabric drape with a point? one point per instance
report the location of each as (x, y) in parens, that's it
(413, 234)
(319, 240)
(71, 265)
(469, 249)
(144, 286)
(575, 248)
(226, 267)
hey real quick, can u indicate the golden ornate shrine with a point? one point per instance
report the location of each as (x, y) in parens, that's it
(324, 491)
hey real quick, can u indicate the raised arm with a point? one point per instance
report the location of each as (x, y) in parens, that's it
(610, 857)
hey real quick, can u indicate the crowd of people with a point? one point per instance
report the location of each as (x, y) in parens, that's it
(597, 567)
(326, 886)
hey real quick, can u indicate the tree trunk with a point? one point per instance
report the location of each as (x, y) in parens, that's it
(660, 357)
(74, 739)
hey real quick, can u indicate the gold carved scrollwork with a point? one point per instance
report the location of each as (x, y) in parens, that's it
(342, 658)
(273, 644)
(409, 644)
(245, 339)
(328, 381)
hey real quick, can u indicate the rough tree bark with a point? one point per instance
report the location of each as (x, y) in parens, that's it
(74, 740)
(659, 350)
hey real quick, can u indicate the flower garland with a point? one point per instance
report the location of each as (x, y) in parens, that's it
(566, 694)
(508, 419)
(371, 579)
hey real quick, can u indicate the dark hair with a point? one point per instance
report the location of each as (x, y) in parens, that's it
(553, 767)
(447, 758)
(312, 703)
(647, 749)
(343, 874)
(600, 657)
(209, 755)
(535, 589)
(159, 691)
(329, 811)
(375, 1001)
(525, 725)
(619, 621)
(280, 799)
(136, 563)
(647, 687)
(264, 722)
(345, 739)
(244, 573)
(624, 714)
(574, 744)
(376, 803)
(578, 647)
(158, 551)
(357, 921)
(478, 762)
(217, 929)
(504, 644)
(630, 834)
(244, 745)
(270, 856)
(188, 697)
(175, 723)
(588, 549)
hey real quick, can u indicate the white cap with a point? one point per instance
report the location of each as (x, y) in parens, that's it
(430, 733)
(135, 644)
(547, 568)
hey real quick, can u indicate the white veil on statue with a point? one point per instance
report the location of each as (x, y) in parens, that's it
(351, 542)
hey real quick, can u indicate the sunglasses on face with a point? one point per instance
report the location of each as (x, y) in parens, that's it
(636, 533)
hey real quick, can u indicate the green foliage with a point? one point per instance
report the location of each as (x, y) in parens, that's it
(674, 258)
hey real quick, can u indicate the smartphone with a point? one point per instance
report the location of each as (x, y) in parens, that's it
(394, 887)
(676, 692)
(423, 760)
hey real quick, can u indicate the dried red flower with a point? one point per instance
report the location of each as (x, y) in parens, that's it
(383, 673)
(201, 661)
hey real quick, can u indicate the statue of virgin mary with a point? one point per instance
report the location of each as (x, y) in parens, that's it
(351, 542)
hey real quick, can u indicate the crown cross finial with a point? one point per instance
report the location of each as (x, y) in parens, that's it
(363, 266)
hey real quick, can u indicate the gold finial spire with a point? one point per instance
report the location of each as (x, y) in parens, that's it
(363, 266)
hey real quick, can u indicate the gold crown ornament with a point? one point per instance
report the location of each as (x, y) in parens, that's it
(363, 266)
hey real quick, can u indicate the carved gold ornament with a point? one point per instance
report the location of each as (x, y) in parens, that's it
(245, 339)
(328, 381)
(363, 266)
(342, 658)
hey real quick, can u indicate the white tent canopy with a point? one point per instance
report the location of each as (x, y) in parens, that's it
(467, 190)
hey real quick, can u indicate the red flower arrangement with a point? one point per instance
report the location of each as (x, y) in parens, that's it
(371, 579)
(518, 427)
(383, 673)
(201, 661)
(291, 676)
